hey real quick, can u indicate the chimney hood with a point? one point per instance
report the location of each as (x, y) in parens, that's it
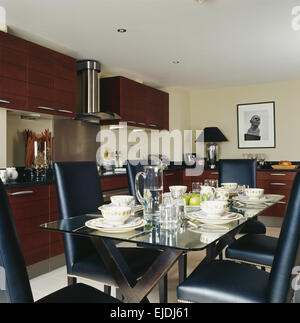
(88, 101)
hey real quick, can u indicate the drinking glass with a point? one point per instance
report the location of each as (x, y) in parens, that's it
(172, 215)
(196, 187)
(211, 182)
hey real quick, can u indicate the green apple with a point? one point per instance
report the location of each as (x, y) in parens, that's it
(187, 199)
(195, 199)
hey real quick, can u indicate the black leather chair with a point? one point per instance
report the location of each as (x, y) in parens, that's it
(227, 281)
(243, 172)
(79, 192)
(13, 273)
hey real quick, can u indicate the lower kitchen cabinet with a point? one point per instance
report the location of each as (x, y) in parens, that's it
(278, 182)
(170, 178)
(30, 208)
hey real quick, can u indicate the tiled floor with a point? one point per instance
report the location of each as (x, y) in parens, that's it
(56, 279)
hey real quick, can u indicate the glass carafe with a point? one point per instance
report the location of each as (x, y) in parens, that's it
(152, 193)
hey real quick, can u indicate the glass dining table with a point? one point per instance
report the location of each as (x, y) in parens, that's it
(192, 235)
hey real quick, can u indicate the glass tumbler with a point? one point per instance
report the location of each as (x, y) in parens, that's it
(169, 219)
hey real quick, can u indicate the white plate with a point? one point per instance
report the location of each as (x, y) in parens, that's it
(90, 224)
(220, 220)
(192, 208)
(103, 223)
(265, 199)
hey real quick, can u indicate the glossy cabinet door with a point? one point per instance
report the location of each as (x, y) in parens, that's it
(170, 178)
(30, 208)
(277, 182)
(36, 79)
(13, 72)
(137, 104)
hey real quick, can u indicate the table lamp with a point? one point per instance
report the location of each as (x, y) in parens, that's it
(212, 135)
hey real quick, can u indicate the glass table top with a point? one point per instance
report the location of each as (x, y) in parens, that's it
(192, 235)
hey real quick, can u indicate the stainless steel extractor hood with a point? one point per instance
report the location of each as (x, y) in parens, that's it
(88, 101)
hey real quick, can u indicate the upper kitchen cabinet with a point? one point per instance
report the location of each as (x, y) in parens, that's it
(35, 78)
(51, 81)
(13, 72)
(137, 104)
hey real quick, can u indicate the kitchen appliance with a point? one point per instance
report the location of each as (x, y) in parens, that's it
(88, 101)
(212, 135)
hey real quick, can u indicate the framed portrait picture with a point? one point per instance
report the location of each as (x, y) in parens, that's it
(256, 125)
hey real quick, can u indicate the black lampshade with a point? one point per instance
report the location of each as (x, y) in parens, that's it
(212, 134)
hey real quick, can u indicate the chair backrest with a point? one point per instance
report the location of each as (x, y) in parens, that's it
(13, 274)
(241, 171)
(79, 192)
(133, 167)
(287, 254)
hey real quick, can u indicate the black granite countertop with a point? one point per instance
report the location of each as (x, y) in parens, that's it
(25, 181)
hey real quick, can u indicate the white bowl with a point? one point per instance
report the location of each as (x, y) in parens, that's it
(116, 214)
(121, 200)
(177, 190)
(231, 187)
(214, 208)
(254, 193)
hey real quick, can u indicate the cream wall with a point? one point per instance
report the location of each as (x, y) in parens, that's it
(218, 107)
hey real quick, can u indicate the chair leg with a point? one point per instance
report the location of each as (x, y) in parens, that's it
(182, 266)
(71, 280)
(163, 289)
(107, 289)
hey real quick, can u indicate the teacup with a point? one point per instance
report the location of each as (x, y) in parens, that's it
(207, 193)
(116, 214)
(177, 190)
(121, 200)
(221, 194)
(231, 187)
(254, 193)
(214, 208)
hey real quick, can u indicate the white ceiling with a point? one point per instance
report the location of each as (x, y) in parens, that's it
(219, 43)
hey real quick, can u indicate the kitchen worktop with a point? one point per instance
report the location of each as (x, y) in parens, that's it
(25, 182)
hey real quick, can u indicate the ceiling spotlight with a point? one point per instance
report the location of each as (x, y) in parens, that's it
(122, 30)
(175, 62)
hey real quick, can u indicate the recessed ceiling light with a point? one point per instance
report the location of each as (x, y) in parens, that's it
(122, 30)
(175, 62)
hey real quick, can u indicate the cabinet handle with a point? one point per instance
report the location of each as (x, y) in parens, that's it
(214, 173)
(278, 184)
(141, 123)
(278, 174)
(4, 101)
(131, 122)
(21, 193)
(45, 108)
(152, 125)
(65, 111)
(169, 174)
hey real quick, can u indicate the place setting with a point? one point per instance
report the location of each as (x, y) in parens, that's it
(215, 212)
(254, 198)
(117, 217)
